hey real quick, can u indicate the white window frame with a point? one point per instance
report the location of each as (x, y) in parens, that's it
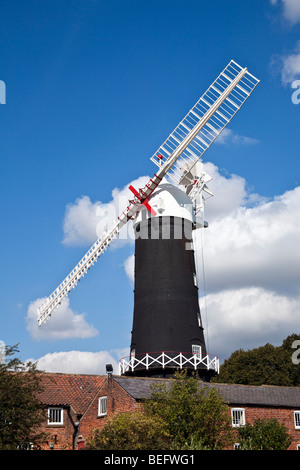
(297, 419)
(102, 406)
(55, 412)
(238, 417)
(196, 349)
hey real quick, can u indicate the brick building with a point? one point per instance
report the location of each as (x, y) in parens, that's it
(76, 404)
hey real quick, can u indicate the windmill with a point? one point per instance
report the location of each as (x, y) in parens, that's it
(167, 331)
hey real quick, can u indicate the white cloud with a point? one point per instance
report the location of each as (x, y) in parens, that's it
(80, 362)
(291, 9)
(129, 267)
(229, 137)
(251, 259)
(256, 246)
(85, 220)
(230, 193)
(288, 66)
(247, 318)
(64, 323)
(80, 222)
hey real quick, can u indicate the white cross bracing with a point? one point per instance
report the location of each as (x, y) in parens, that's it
(177, 360)
(182, 149)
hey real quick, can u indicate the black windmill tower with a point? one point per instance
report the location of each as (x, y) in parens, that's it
(167, 332)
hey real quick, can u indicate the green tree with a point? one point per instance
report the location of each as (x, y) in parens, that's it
(264, 434)
(21, 413)
(196, 415)
(179, 415)
(131, 431)
(265, 365)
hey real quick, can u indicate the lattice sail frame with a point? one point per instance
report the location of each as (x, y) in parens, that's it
(175, 157)
(244, 84)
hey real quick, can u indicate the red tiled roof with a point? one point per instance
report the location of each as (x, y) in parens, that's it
(70, 389)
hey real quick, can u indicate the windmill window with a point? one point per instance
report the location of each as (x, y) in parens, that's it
(102, 406)
(238, 417)
(196, 349)
(297, 419)
(55, 416)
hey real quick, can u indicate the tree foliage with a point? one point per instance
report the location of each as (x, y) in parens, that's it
(265, 365)
(21, 413)
(193, 413)
(264, 434)
(179, 415)
(131, 431)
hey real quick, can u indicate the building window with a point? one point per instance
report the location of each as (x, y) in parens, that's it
(199, 319)
(297, 419)
(236, 446)
(102, 406)
(55, 415)
(196, 349)
(238, 417)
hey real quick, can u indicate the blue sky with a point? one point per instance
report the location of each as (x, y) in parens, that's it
(92, 90)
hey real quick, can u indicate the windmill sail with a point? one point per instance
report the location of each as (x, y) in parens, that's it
(175, 157)
(211, 114)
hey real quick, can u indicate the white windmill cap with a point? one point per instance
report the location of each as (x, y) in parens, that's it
(168, 200)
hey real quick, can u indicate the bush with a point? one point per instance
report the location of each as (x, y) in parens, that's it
(264, 434)
(131, 431)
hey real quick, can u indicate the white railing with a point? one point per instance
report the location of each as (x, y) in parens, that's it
(163, 360)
